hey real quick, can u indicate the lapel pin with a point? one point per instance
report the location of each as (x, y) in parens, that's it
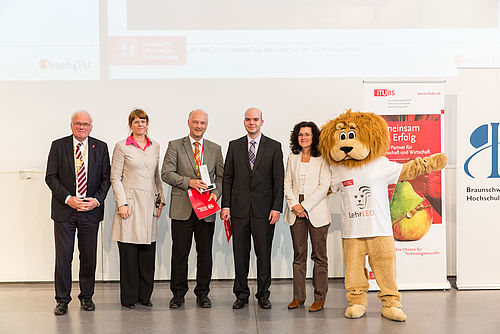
(93, 146)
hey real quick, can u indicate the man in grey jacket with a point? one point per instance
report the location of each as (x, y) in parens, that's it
(180, 169)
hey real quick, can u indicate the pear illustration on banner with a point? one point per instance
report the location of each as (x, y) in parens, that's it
(411, 214)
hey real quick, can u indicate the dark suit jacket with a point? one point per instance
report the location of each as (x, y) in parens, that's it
(179, 167)
(60, 176)
(260, 188)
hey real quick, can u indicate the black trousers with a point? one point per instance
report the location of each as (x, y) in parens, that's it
(64, 237)
(262, 233)
(182, 238)
(137, 271)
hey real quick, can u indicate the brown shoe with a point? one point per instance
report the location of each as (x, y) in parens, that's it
(316, 306)
(295, 304)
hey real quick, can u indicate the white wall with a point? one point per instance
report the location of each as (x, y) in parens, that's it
(36, 113)
(28, 247)
(386, 38)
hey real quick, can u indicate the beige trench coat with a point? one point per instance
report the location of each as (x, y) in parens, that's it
(135, 178)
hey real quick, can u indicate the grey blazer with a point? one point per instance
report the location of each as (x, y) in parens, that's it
(179, 167)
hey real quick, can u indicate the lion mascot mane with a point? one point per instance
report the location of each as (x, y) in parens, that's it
(355, 144)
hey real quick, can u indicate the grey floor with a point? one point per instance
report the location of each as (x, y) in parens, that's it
(27, 308)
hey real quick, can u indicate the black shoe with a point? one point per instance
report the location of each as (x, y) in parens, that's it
(240, 303)
(61, 308)
(204, 301)
(87, 304)
(176, 302)
(130, 306)
(264, 303)
(147, 303)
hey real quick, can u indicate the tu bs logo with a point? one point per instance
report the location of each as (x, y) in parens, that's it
(480, 139)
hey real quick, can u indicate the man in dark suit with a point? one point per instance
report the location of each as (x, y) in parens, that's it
(78, 176)
(252, 190)
(180, 169)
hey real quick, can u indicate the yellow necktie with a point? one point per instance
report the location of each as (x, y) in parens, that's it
(197, 157)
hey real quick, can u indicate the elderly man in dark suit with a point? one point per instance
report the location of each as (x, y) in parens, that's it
(253, 197)
(180, 169)
(78, 176)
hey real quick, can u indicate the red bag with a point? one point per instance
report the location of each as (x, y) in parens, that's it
(227, 227)
(202, 207)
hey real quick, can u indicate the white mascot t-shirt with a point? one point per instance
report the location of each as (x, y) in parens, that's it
(365, 198)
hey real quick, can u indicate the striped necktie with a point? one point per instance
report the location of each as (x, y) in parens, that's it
(197, 157)
(251, 154)
(81, 175)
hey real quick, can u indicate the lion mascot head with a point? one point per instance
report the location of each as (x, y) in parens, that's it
(354, 139)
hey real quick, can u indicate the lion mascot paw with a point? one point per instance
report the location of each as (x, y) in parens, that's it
(393, 313)
(355, 144)
(355, 311)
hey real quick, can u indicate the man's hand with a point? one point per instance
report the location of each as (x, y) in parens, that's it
(124, 212)
(225, 214)
(89, 203)
(76, 203)
(199, 185)
(212, 197)
(274, 216)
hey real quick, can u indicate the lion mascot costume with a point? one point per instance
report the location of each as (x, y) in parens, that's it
(355, 144)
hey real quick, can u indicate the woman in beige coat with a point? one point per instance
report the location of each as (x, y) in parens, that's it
(307, 180)
(137, 187)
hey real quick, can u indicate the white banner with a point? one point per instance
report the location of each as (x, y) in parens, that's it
(414, 113)
(478, 179)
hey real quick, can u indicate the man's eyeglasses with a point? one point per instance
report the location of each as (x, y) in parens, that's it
(85, 125)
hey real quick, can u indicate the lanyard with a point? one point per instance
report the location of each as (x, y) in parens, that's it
(79, 162)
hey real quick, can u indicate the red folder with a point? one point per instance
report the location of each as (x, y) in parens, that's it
(202, 207)
(227, 227)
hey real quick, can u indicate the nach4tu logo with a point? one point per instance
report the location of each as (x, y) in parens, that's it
(480, 139)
